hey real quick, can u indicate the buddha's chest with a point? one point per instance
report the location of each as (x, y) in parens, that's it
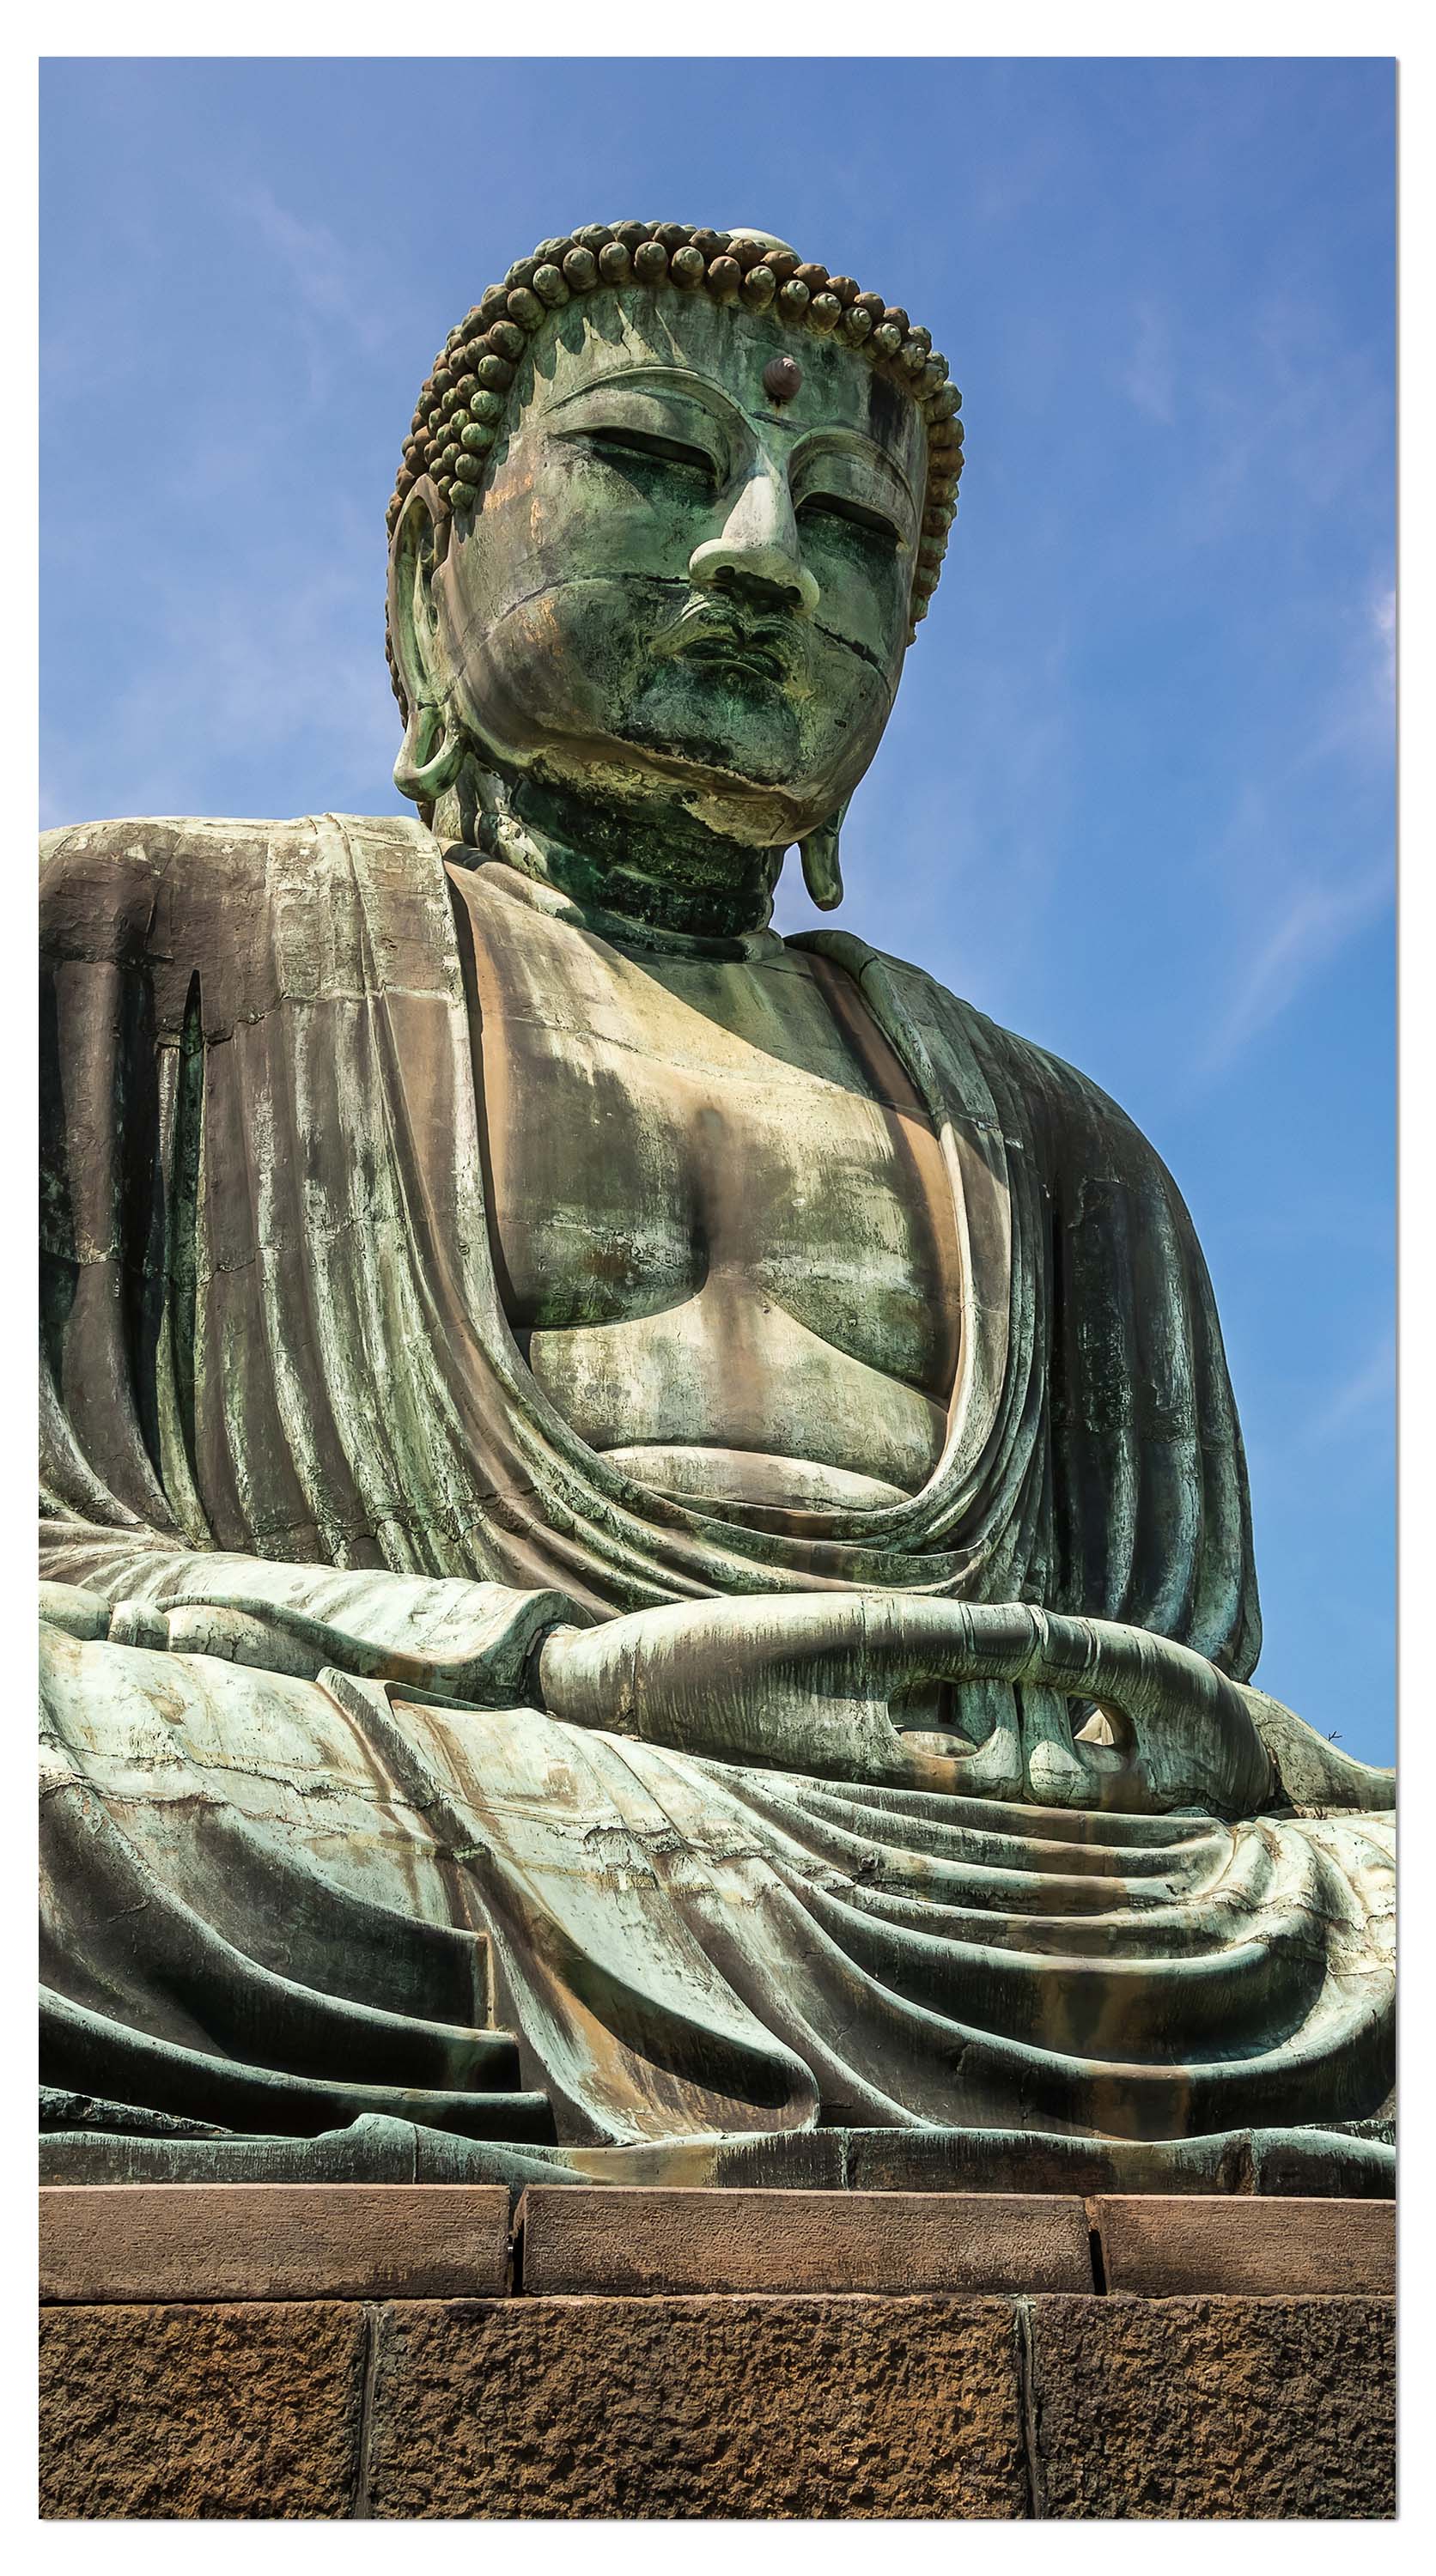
(718, 1210)
(655, 1122)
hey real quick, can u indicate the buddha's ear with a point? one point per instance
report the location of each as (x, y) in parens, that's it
(822, 871)
(432, 750)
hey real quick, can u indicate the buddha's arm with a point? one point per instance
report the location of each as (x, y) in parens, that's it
(471, 1640)
(831, 1684)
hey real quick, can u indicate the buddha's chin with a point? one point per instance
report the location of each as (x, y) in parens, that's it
(754, 814)
(722, 722)
(770, 784)
(760, 805)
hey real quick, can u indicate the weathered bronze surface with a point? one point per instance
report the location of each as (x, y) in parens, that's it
(646, 1544)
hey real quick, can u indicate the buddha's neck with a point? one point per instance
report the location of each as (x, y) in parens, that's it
(664, 869)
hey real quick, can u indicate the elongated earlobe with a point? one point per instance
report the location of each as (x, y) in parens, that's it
(430, 756)
(822, 873)
(434, 745)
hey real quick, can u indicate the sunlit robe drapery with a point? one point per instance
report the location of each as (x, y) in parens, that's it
(273, 1331)
(273, 1322)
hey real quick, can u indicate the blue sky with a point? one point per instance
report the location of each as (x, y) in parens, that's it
(1137, 797)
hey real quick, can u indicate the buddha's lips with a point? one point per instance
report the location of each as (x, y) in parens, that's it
(710, 630)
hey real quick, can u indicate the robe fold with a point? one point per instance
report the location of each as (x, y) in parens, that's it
(276, 1359)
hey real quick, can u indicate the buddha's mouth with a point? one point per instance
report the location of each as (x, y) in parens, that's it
(712, 631)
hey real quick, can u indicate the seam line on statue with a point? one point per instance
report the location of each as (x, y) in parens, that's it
(675, 583)
(761, 1079)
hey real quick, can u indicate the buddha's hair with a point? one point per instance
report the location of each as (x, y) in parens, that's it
(468, 393)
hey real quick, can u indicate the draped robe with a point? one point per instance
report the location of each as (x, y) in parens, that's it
(343, 1915)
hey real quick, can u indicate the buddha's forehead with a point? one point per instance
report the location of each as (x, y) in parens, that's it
(664, 342)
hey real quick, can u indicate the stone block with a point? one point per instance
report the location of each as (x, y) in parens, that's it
(200, 2413)
(138, 2242)
(1213, 2409)
(679, 2409)
(623, 2242)
(1166, 2246)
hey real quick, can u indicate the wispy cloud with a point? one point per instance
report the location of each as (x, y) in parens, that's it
(1008, 186)
(1383, 622)
(1356, 719)
(1149, 378)
(1262, 433)
(321, 268)
(1290, 914)
(1313, 925)
(951, 862)
(292, 678)
(1366, 1397)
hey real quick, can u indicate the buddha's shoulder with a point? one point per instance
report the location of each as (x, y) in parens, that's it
(1037, 1097)
(119, 871)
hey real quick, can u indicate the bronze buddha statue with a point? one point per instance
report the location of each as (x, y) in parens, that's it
(645, 1536)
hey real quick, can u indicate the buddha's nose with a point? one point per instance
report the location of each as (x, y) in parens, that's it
(758, 559)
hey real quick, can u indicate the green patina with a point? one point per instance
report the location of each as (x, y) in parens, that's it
(646, 1541)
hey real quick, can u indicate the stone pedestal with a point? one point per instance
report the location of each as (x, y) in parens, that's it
(335, 2352)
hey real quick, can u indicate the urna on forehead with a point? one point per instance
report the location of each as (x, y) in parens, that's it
(488, 362)
(743, 359)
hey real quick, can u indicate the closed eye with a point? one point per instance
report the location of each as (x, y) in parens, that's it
(836, 505)
(653, 449)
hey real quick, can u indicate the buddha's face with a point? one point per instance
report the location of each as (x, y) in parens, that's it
(679, 585)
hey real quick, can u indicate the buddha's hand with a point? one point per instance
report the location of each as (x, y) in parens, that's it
(849, 1685)
(442, 1635)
